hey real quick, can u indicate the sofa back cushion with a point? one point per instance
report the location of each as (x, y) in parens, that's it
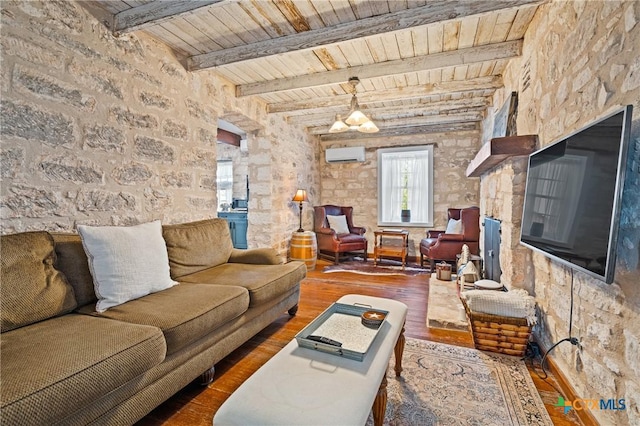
(72, 261)
(196, 246)
(32, 289)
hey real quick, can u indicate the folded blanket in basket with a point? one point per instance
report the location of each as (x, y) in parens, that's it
(515, 303)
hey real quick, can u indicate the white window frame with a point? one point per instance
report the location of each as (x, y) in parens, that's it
(385, 155)
(224, 182)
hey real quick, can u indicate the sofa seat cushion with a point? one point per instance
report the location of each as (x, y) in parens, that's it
(184, 313)
(264, 282)
(53, 368)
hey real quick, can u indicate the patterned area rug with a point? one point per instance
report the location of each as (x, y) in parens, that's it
(383, 268)
(449, 385)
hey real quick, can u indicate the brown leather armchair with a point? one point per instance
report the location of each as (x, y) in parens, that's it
(332, 244)
(441, 246)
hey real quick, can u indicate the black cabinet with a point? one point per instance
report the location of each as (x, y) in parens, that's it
(238, 224)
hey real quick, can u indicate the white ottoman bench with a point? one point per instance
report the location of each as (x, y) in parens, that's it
(301, 386)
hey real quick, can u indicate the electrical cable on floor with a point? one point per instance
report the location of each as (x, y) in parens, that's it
(573, 340)
(531, 356)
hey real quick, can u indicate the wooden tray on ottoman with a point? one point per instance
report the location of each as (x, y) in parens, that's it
(495, 333)
(342, 323)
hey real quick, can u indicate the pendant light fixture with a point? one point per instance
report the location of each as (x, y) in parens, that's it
(356, 119)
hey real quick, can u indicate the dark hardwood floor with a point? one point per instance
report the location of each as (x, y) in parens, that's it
(196, 405)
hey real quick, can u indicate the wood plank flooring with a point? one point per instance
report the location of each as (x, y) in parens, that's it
(195, 405)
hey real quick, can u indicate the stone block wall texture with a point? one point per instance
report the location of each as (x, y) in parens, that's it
(356, 184)
(580, 62)
(114, 131)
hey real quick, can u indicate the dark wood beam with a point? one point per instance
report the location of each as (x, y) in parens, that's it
(497, 150)
(228, 137)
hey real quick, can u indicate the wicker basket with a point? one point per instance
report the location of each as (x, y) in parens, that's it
(494, 333)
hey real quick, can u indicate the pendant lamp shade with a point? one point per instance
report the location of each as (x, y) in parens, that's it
(368, 127)
(339, 126)
(356, 120)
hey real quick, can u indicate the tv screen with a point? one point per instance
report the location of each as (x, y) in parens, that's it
(572, 196)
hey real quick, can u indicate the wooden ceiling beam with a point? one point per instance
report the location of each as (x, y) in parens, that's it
(421, 109)
(390, 95)
(472, 114)
(452, 58)
(153, 13)
(402, 131)
(414, 121)
(430, 13)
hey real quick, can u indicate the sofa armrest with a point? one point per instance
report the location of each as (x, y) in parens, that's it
(434, 234)
(358, 230)
(257, 256)
(325, 231)
(451, 237)
(326, 234)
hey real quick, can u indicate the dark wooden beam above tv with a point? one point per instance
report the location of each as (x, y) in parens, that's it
(498, 149)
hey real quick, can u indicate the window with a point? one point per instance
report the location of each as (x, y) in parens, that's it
(224, 182)
(405, 186)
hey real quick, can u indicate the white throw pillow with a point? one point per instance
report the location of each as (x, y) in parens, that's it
(454, 227)
(338, 224)
(126, 262)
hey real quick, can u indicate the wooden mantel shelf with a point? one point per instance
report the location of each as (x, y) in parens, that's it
(498, 149)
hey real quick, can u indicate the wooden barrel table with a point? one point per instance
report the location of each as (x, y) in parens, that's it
(304, 248)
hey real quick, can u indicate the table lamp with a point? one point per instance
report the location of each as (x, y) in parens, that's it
(301, 195)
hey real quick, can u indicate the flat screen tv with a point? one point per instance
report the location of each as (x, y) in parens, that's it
(573, 196)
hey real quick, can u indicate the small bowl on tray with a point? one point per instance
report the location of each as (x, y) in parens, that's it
(373, 319)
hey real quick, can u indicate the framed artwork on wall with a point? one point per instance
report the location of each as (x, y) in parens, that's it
(504, 123)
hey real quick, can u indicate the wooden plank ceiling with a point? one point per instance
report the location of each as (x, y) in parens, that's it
(424, 66)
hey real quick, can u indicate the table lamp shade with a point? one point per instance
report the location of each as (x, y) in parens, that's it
(300, 196)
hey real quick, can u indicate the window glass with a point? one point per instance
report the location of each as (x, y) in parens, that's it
(405, 186)
(224, 182)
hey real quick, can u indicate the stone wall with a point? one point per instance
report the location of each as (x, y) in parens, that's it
(502, 197)
(581, 61)
(290, 169)
(114, 131)
(355, 184)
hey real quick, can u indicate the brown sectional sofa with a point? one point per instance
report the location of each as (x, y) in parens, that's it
(64, 363)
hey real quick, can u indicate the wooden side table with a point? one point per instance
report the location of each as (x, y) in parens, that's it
(395, 250)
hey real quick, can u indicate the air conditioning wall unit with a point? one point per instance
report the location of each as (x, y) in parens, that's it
(352, 154)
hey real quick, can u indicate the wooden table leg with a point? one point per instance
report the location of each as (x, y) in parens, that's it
(398, 351)
(380, 403)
